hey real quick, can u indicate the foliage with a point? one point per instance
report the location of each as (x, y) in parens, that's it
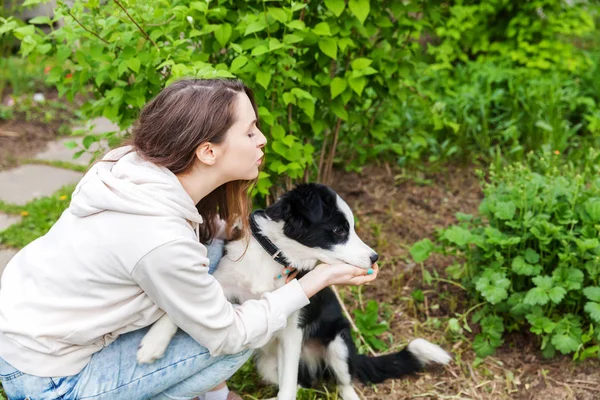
(311, 63)
(38, 216)
(533, 255)
(353, 81)
(367, 322)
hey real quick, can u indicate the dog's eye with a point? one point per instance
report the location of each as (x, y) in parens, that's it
(338, 231)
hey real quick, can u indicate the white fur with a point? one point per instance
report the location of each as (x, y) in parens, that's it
(337, 359)
(155, 342)
(427, 352)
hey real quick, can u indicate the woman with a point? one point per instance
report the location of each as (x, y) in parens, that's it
(74, 304)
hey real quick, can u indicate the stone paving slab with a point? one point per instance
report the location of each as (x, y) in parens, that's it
(102, 125)
(22, 184)
(7, 220)
(57, 151)
(5, 256)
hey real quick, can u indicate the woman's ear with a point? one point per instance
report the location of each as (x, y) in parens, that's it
(206, 153)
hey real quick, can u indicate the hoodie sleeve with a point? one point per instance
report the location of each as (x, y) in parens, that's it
(175, 276)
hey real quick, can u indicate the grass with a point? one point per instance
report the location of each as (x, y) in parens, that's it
(38, 216)
(58, 164)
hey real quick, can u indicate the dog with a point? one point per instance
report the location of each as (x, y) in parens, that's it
(307, 225)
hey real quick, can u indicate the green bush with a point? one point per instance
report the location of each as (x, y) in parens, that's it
(315, 66)
(532, 256)
(342, 81)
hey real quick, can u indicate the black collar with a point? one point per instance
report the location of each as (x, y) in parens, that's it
(264, 241)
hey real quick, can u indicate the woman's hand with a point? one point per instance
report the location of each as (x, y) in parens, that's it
(336, 274)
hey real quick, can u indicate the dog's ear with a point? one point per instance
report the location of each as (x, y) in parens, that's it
(280, 210)
(309, 205)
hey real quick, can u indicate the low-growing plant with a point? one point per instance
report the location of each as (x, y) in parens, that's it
(531, 258)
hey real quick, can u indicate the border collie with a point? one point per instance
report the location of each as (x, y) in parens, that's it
(307, 225)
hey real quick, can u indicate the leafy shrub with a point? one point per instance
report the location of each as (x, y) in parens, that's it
(340, 80)
(532, 256)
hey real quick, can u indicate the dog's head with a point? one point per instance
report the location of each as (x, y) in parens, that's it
(319, 225)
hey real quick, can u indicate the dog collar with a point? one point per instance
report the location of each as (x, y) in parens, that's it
(266, 243)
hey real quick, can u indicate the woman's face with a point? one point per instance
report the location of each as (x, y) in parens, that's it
(241, 152)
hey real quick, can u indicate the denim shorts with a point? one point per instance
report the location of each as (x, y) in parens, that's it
(185, 371)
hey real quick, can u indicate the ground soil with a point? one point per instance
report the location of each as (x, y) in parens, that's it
(27, 133)
(394, 214)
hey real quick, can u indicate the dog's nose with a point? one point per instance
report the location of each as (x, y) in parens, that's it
(374, 258)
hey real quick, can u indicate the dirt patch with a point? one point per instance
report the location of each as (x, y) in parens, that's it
(30, 125)
(392, 216)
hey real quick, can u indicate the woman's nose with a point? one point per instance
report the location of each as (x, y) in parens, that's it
(262, 141)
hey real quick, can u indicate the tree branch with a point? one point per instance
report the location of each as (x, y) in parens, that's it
(136, 24)
(86, 29)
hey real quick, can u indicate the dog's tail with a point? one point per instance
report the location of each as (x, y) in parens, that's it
(412, 359)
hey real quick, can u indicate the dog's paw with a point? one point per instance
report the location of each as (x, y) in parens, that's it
(152, 348)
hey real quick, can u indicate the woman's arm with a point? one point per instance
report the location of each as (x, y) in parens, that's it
(175, 276)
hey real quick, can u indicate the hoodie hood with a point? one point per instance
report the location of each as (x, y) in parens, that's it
(124, 182)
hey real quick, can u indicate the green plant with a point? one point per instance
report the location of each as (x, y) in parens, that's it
(320, 68)
(38, 216)
(369, 325)
(533, 255)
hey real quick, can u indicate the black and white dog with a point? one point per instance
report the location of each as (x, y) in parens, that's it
(307, 225)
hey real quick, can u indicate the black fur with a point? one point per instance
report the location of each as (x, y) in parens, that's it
(323, 320)
(311, 216)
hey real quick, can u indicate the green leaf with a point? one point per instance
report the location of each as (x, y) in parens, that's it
(260, 50)
(274, 44)
(361, 63)
(543, 282)
(134, 64)
(357, 84)
(339, 111)
(418, 295)
(337, 86)
(296, 24)
(457, 235)
(278, 13)
(308, 106)
(421, 250)
(256, 26)
(565, 343)
(263, 78)
(569, 278)
(277, 132)
(322, 29)
(556, 294)
(536, 296)
(291, 39)
(592, 208)
(238, 63)
(360, 9)
(492, 285)
(201, 6)
(288, 98)
(531, 256)
(483, 346)
(41, 19)
(329, 47)
(593, 309)
(505, 210)
(223, 33)
(521, 267)
(592, 293)
(547, 127)
(335, 6)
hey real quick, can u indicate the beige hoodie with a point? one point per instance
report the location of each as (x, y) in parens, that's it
(123, 252)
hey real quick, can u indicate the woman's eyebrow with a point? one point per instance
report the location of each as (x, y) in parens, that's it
(251, 123)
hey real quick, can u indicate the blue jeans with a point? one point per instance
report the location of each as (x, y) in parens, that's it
(185, 371)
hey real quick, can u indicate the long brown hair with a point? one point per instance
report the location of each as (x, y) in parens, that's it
(180, 118)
